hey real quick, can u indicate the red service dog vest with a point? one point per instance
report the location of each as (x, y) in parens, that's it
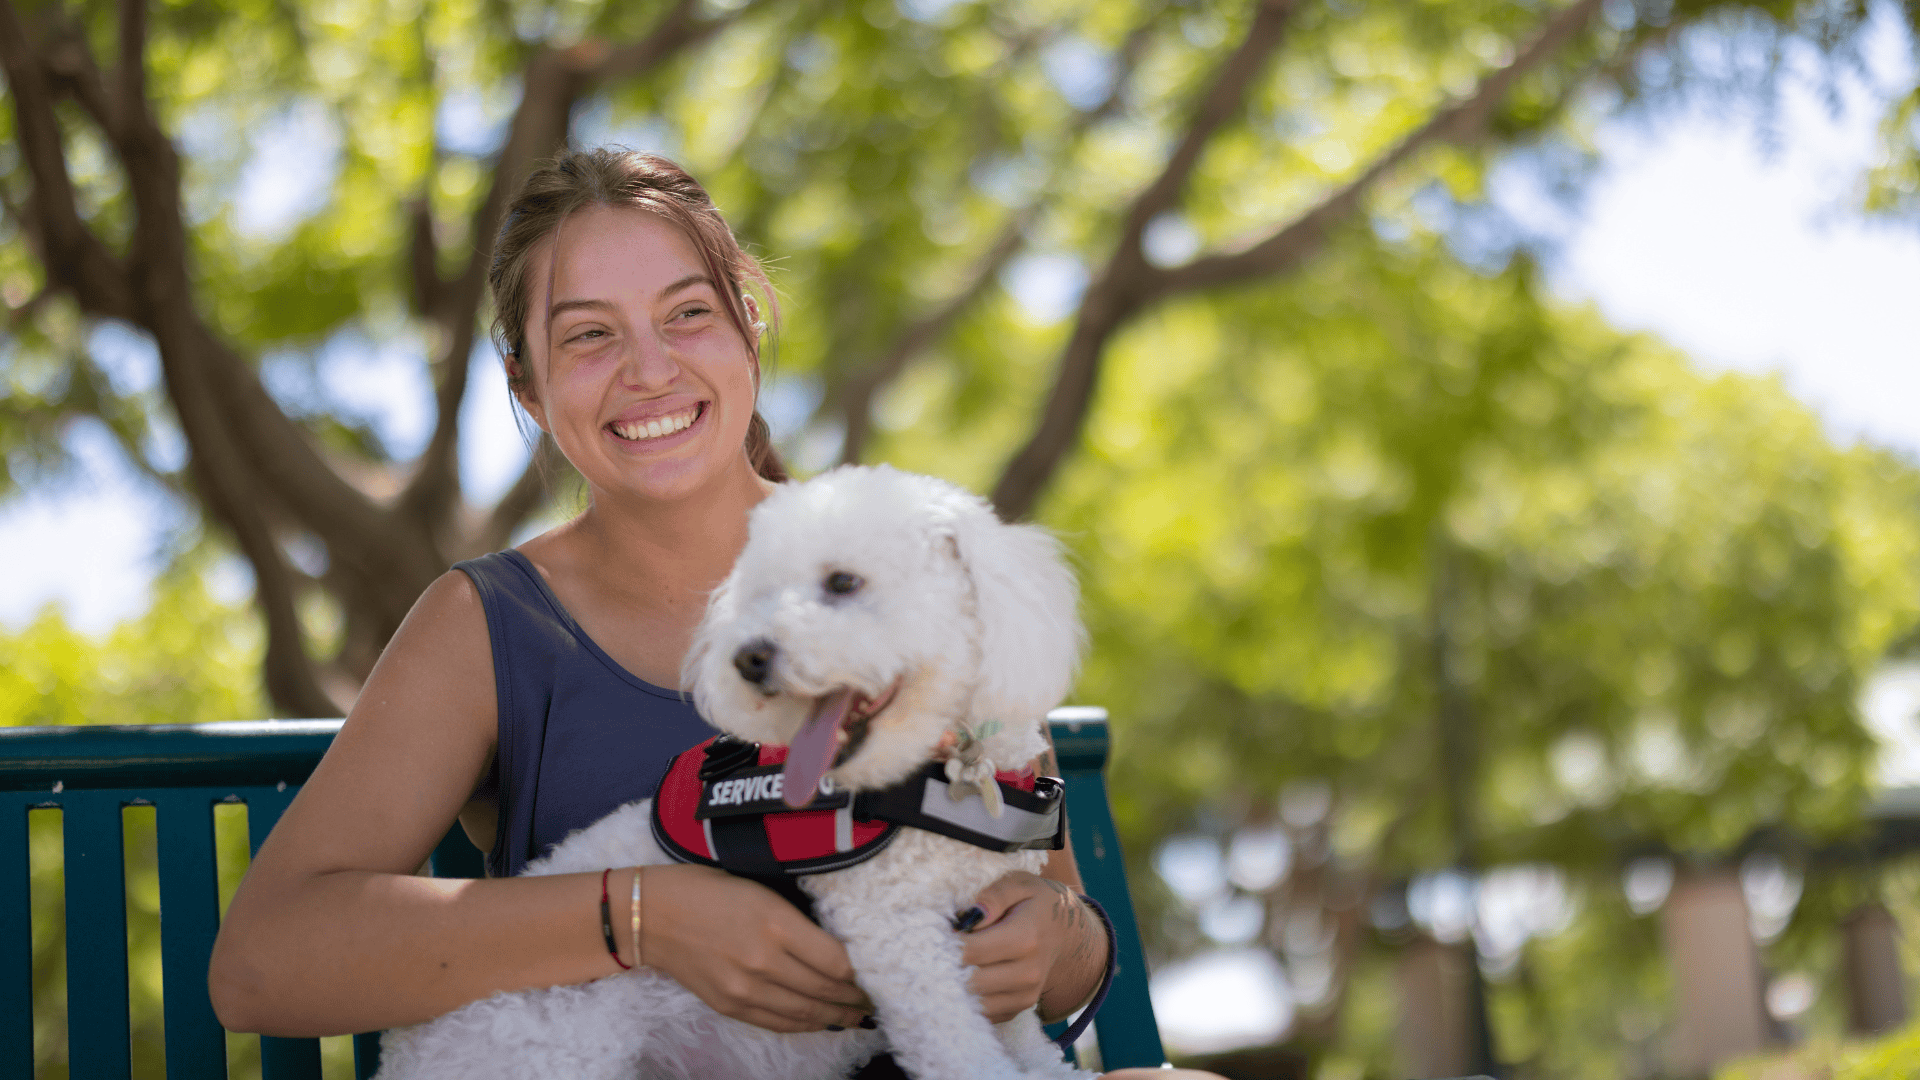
(721, 804)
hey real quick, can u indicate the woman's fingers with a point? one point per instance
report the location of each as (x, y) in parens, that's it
(1009, 945)
(825, 959)
(767, 995)
(1033, 940)
(775, 1007)
(997, 899)
(803, 975)
(1009, 988)
(748, 953)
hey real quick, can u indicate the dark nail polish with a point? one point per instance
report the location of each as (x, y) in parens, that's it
(969, 918)
(868, 1023)
(835, 1027)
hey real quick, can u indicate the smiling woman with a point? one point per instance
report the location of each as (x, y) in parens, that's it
(532, 691)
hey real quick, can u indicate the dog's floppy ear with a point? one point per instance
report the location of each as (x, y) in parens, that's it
(697, 672)
(1030, 633)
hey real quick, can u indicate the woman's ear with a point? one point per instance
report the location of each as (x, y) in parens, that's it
(753, 318)
(759, 328)
(522, 386)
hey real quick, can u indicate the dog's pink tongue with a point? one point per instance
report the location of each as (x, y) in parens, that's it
(813, 749)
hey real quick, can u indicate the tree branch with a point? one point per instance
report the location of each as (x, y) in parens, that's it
(1461, 121)
(1109, 301)
(1221, 102)
(856, 397)
(67, 58)
(678, 29)
(287, 669)
(74, 257)
(1129, 285)
(124, 420)
(131, 64)
(865, 385)
(423, 257)
(223, 408)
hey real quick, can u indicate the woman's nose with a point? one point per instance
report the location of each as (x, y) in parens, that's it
(649, 362)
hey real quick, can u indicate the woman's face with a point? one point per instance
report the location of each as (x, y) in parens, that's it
(637, 372)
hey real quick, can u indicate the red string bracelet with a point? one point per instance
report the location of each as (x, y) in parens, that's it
(606, 923)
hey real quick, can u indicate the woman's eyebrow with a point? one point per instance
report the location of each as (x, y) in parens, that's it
(565, 306)
(684, 283)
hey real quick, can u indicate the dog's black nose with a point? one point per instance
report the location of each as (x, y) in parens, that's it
(754, 660)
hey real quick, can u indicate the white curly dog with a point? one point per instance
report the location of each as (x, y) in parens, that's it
(876, 621)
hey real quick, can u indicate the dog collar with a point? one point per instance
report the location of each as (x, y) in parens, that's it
(720, 804)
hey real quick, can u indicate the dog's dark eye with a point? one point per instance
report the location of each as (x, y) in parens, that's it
(841, 583)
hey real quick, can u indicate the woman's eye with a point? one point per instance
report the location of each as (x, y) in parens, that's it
(694, 312)
(588, 335)
(841, 583)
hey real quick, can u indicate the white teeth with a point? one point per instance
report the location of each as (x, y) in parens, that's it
(654, 429)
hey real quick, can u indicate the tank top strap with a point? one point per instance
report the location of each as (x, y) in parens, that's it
(579, 735)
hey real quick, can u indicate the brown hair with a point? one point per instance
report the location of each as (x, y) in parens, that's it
(577, 179)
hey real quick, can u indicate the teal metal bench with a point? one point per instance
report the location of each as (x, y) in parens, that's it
(184, 771)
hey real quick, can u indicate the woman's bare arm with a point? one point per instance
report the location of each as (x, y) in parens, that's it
(331, 932)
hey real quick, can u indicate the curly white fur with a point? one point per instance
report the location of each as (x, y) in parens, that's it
(975, 620)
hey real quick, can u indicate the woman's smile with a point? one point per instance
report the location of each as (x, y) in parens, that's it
(657, 431)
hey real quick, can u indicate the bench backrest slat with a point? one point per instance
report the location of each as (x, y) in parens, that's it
(16, 942)
(190, 916)
(97, 956)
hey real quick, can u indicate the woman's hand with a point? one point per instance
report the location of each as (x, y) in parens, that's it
(1034, 944)
(746, 952)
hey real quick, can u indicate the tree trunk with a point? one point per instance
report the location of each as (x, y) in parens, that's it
(1716, 973)
(1436, 1009)
(1870, 970)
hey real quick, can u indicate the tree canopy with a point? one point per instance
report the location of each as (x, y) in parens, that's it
(899, 161)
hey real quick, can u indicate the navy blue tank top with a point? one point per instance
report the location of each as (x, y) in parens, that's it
(580, 736)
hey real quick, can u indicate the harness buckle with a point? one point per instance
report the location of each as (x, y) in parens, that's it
(726, 755)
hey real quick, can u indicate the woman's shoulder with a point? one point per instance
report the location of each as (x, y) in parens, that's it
(496, 584)
(448, 621)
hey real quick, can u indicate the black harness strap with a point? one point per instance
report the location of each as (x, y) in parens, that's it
(740, 843)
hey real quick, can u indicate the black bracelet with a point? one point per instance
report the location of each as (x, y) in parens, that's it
(606, 923)
(1078, 1027)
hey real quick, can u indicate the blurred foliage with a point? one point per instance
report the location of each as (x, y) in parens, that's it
(1891, 1057)
(187, 660)
(1658, 592)
(1670, 586)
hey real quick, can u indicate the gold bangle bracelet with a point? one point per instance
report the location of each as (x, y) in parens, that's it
(637, 959)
